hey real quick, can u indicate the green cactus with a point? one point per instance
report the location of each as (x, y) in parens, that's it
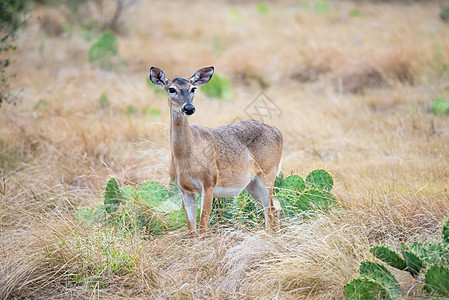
(128, 193)
(412, 260)
(101, 213)
(364, 288)
(431, 253)
(330, 197)
(313, 199)
(294, 183)
(437, 280)
(445, 232)
(279, 181)
(320, 179)
(389, 256)
(168, 206)
(156, 226)
(380, 274)
(142, 221)
(177, 219)
(86, 214)
(152, 193)
(112, 196)
(417, 256)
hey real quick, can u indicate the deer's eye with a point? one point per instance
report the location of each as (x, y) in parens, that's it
(171, 90)
(193, 90)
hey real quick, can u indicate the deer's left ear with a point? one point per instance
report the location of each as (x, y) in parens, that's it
(202, 76)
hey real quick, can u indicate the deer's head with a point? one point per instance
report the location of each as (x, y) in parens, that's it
(181, 91)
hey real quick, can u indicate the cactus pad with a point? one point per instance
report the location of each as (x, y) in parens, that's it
(86, 214)
(320, 179)
(365, 288)
(279, 181)
(128, 193)
(413, 262)
(152, 193)
(380, 274)
(294, 183)
(437, 280)
(112, 196)
(388, 256)
(177, 219)
(168, 206)
(312, 199)
(446, 231)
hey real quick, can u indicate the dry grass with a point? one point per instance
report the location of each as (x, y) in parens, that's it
(355, 94)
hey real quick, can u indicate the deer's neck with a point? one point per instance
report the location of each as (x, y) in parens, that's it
(180, 134)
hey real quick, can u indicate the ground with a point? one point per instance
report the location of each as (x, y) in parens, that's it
(351, 85)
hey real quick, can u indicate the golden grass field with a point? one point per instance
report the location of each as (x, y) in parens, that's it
(355, 84)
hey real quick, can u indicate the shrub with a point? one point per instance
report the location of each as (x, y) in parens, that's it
(11, 18)
(218, 87)
(440, 106)
(432, 259)
(155, 209)
(297, 195)
(103, 49)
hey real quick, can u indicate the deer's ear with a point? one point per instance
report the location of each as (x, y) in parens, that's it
(202, 76)
(157, 77)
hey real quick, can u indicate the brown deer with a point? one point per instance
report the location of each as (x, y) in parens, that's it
(219, 161)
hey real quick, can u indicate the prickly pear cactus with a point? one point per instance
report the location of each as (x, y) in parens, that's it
(279, 181)
(445, 232)
(152, 193)
(320, 179)
(437, 280)
(365, 288)
(380, 274)
(156, 226)
(168, 206)
(112, 196)
(412, 260)
(389, 256)
(294, 182)
(128, 193)
(177, 219)
(312, 199)
(86, 214)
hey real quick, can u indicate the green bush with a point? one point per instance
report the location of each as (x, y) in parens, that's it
(103, 50)
(262, 8)
(297, 195)
(218, 87)
(432, 259)
(155, 209)
(440, 106)
(11, 18)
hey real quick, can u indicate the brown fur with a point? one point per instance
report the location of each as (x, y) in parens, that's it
(225, 158)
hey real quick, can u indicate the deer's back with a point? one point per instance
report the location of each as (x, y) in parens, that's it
(261, 141)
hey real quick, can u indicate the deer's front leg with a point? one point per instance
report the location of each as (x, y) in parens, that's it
(206, 208)
(189, 204)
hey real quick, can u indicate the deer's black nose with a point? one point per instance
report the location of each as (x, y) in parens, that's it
(188, 109)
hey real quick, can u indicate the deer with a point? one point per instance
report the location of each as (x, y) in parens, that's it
(218, 161)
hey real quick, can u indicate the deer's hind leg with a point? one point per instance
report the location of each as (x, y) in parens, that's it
(261, 189)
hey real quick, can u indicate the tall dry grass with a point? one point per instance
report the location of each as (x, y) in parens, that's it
(355, 94)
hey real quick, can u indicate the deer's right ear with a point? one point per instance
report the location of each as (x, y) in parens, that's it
(157, 77)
